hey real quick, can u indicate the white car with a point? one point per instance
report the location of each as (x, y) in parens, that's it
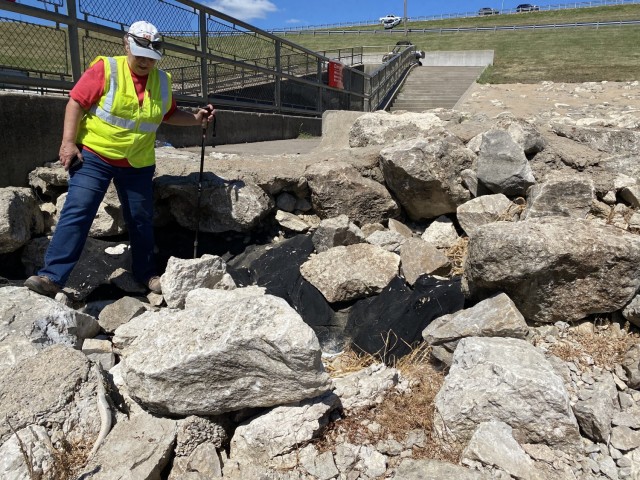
(391, 22)
(388, 17)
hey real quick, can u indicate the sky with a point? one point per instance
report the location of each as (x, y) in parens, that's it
(268, 14)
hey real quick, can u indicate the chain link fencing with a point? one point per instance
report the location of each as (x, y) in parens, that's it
(45, 45)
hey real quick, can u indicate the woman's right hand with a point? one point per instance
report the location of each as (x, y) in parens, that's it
(68, 154)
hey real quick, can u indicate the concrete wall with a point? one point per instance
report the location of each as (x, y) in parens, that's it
(469, 58)
(31, 127)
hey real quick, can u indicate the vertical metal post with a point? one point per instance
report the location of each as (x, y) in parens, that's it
(204, 71)
(320, 85)
(405, 18)
(278, 80)
(74, 42)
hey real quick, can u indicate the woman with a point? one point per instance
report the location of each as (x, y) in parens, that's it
(109, 134)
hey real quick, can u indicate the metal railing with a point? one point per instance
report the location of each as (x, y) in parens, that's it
(45, 45)
(446, 16)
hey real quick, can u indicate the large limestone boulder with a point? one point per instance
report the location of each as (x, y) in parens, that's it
(183, 276)
(425, 175)
(337, 188)
(564, 195)
(20, 218)
(610, 140)
(31, 322)
(235, 352)
(137, 447)
(502, 165)
(57, 388)
(485, 209)
(554, 268)
(224, 205)
(351, 272)
(382, 128)
(507, 380)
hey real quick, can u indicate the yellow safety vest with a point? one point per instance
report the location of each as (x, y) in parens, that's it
(118, 126)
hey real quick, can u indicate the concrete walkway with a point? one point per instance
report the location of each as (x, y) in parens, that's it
(434, 87)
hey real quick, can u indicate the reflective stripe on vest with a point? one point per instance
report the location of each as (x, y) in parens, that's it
(105, 113)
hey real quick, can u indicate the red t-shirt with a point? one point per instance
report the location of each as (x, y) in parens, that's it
(90, 88)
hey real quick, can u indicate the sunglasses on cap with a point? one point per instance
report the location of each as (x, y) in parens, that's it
(146, 43)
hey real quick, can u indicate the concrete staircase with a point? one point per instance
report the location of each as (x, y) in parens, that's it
(433, 87)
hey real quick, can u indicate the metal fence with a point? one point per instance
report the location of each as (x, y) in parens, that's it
(45, 45)
(446, 16)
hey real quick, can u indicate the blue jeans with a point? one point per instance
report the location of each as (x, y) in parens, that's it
(88, 184)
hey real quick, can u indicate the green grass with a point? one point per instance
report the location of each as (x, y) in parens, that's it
(525, 56)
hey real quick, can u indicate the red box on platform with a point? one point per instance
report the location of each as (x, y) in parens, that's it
(335, 75)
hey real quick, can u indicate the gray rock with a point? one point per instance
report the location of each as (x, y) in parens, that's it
(625, 439)
(203, 463)
(224, 205)
(610, 140)
(20, 218)
(496, 316)
(136, 448)
(595, 413)
(352, 272)
(388, 240)
(182, 276)
(31, 322)
(525, 134)
(336, 231)
(502, 165)
(36, 441)
(50, 180)
(286, 202)
(483, 210)
(507, 380)
(245, 353)
(548, 277)
(339, 189)
(120, 312)
(631, 311)
(493, 445)
(424, 174)
(399, 227)
(282, 429)
(441, 233)
(566, 195)
(411, 469)
(291, 222)
(362, 459)
(365, 388)
(382, 128)
(418, 257)
(54, 388)
(631, 366)
(320, 466)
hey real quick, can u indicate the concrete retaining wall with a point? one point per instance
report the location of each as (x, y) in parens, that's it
(31, 127)
(469, 58)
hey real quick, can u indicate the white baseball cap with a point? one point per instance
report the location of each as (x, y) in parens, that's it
(144, 40)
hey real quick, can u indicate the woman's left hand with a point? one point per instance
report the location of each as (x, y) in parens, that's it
(205, 115)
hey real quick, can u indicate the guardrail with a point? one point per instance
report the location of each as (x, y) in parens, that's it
(475, 29)
(446, 16)
(45, 45)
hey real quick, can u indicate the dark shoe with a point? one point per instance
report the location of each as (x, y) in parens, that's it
(42, 285)
(154, 285)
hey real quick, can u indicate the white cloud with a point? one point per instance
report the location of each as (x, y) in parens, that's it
(293, 20)
(245, 9)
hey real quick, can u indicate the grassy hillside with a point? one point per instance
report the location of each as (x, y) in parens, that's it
(524, 56)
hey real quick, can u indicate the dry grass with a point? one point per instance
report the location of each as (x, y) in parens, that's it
(604, 348)
(456, 255)
(399, 413)
(68, 460)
